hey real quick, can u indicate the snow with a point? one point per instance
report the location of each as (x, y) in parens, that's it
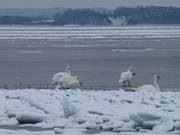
(9, 122)
(165, 125)
(27, 117)
(68, 108)
(82, 112)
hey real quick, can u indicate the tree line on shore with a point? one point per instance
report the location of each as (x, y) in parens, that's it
(86, 16)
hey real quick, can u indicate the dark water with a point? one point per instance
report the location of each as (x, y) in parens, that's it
(96, 54)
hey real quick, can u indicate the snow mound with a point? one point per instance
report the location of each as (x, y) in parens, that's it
(68, 108)
(165, 126)
(9, 122)
(32, 118)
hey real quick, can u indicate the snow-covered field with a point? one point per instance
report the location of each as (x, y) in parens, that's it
(81, 112)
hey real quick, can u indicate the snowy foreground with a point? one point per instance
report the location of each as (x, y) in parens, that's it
(81, 112)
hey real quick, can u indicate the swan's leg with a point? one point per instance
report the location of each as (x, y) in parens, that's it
(129, 83)
(81, 84)
(124, 83)
(57, 86)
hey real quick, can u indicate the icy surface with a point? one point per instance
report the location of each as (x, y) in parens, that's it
(68, 108)
(89, 32)
(81, 112)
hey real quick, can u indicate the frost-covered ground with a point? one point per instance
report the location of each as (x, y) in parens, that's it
(81, 112)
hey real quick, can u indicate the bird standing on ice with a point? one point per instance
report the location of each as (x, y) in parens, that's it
(150, 87)
(66, 81)
(127, 76)
(57, 76)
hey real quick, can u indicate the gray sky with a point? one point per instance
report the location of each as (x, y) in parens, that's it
(83, 3)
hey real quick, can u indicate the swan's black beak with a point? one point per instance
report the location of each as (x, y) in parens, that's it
(158, 77)
(133, 74)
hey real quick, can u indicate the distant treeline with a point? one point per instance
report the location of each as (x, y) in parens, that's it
(119, 16)
(149, 15)
(82, 17)
(15, 20)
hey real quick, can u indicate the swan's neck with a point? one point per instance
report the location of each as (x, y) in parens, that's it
(156, 84)
(68, 71)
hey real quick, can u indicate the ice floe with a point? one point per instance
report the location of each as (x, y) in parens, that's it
(98, 112)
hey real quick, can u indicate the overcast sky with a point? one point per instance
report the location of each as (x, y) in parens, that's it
(83, 3)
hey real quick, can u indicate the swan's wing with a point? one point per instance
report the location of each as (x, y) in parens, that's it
(74, 81)
(146, 87)
(125, 76)
(57, 76)
(66, 80)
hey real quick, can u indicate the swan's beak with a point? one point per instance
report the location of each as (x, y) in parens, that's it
(158, 77)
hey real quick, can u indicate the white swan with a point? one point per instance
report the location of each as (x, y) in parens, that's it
(67, 81)
(149, 87)
(127, 76)
(57, 76)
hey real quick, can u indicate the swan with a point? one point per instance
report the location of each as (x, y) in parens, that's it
(127, 76)
(149, 87)
(67, 81)
(57, 76)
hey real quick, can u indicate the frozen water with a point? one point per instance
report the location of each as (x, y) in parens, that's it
(68, 108)
(84, 112)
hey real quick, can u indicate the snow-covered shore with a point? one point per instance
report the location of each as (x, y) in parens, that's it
(80, 112)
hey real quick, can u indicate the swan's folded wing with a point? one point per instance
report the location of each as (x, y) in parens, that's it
(125, 76)
(57, 76)
(147, 87)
